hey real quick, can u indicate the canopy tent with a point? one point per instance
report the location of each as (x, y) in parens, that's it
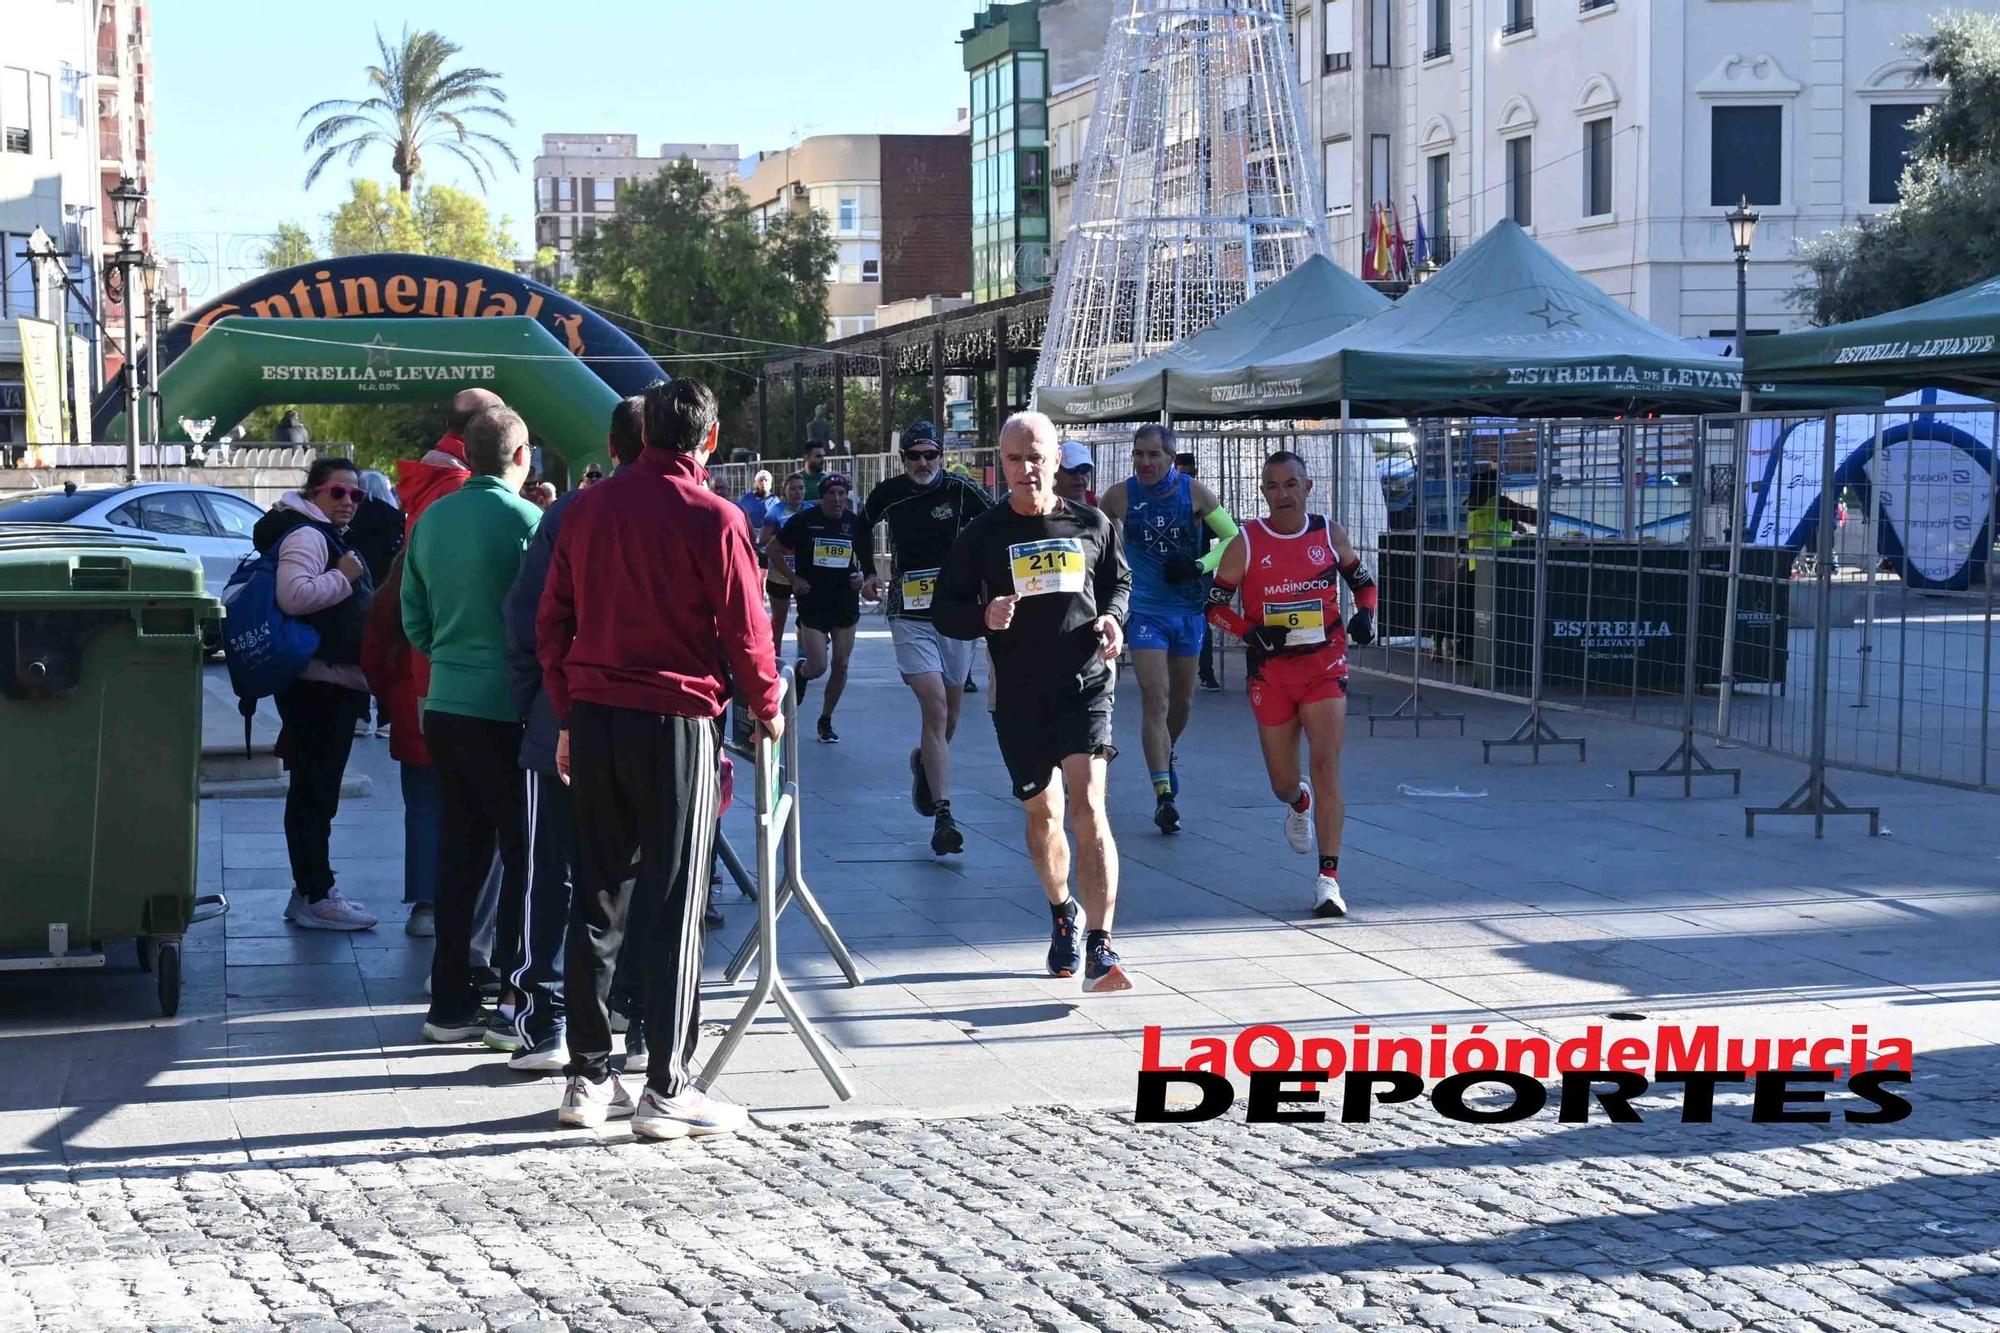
(1314, 300)
(1504, 329)
(1950, 343)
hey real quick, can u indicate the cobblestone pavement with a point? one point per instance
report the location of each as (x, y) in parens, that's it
(1055, 1219)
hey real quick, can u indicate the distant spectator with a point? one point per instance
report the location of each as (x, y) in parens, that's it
(754, 502)
(291, 430)
(819, 431)
(814, 471)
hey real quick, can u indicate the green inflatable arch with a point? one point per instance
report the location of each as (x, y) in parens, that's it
(242, 364)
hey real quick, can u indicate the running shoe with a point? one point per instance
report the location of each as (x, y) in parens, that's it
(799, 680)
(332, 912)
(502, 1035)
(1210, 684)
(946, 839)
(547, 1056)
(1299, 823)
(1165, 817)
(451, 1031)
(1063, 956)
(588, 1105)
(827, 735)
(920, 785)
(971, 685)
(1102, 972)
(422, 922)
(689, 1113)
(1326, 898)
(637, 1058)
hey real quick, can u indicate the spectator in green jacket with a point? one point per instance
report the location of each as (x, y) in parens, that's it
(461, 561)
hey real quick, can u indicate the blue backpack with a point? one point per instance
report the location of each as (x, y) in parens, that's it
(265, 648)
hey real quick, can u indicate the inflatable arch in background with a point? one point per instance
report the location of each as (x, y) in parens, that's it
(395, 287)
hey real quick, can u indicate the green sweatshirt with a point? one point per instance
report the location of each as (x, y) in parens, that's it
(462, 558)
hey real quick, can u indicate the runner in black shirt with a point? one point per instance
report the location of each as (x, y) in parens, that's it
(925, 509)
(1044, 582)
(816, 548)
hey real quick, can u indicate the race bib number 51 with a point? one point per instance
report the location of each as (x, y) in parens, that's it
(919, 585)
(1053, 565)
(1306, 620)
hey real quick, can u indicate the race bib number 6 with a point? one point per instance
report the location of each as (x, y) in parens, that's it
(919, 585)
(1052, 565)
(1305, 620)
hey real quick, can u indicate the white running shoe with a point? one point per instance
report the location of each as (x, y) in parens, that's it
(332, 912)
(1299, 823)
(690, 1113)
(1326, 897)
(588, 1105)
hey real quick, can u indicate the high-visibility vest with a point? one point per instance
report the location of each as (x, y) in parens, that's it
(1489, 531)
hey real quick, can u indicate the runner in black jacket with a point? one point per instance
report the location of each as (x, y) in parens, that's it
(925, 508)
(1044, 581)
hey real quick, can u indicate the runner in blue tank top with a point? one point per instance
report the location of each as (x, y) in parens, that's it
(1162, 512)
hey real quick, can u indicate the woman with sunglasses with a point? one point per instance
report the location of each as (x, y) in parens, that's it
(791, 498)
(323, 583)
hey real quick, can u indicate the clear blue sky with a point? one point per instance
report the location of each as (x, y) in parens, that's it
(233, 76)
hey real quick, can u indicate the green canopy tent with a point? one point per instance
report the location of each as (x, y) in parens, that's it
(1950, 343)
(1314, 300)
(1505, 329)
(240, 364)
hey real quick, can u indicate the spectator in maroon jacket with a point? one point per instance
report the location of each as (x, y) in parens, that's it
(652, 591)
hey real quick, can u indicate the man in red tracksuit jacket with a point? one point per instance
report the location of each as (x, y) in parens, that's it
(653, 593)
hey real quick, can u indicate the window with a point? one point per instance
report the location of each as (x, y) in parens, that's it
(1520, 17)
(72, 96)
(1305, 46)
(1597, 167)
(40, 107)
(1337, 35)
(1746, 155)
(1437, 170)
(173, 514)
(1440, 29)
(1339, 157)
(850, 213)
(1521, 180)
(230, 516)
(601, 196)
(1890, 139)
(565, 193)
(15, 136)
(545, 194)
(871, 270)
(1381, 23)
(566, 229)
(1380, 184)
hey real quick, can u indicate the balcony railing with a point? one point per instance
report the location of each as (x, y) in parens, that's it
(1439, 50)
(1514, 27)
(107, 59)
(1336, 61)
(1587, 5)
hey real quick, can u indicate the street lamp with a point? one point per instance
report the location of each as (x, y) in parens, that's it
(126, 198)
(1742, 221)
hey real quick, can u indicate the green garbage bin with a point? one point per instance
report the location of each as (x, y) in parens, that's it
(100, 707)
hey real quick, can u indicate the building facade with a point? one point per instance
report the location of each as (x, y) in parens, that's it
(1620, 131)
(899, 207)
(580, 178)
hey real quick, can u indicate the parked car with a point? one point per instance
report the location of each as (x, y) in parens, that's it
(205, 521)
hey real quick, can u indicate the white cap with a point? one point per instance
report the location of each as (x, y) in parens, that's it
(1075, 455)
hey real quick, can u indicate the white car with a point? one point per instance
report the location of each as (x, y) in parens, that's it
(205, 521)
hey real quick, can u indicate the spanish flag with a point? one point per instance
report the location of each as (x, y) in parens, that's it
(1381, 260)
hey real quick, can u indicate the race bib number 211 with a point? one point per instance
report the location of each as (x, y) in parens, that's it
(1052, 565)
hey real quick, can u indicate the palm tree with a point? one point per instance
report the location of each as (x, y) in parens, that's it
(417, 103)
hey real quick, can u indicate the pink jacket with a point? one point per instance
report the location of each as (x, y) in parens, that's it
(306, 584)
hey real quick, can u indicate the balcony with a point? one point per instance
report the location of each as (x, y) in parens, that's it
(1336, 62)
(110, 144)
(1438, 50)
(1515, 27)
(107, 59)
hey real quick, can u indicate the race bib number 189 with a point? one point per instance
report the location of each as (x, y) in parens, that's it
(833, 552)
(1052, 565)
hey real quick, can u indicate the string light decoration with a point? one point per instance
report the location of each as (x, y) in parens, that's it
(1194, 191)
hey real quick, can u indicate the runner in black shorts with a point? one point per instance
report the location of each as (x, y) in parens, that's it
(1044, 582)
(816, 549)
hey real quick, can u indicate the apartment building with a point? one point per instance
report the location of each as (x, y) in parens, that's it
(579, 179)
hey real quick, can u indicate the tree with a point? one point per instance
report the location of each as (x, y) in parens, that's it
(1945, 230)
(439, 220)
(417, 104)
(682, 254)
(292, 245)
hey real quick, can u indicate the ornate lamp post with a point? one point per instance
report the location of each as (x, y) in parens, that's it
(1742, 221)
(126, 198)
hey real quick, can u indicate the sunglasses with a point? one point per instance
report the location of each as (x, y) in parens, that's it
(593, 475)
(921, 455)
(345, 492)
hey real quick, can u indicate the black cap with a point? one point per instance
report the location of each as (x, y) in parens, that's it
(919, 430)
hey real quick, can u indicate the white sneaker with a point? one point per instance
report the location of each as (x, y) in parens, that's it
(1299, 823)
(332, 912)
(381, 731)
(1326, 897)
(588, 1105)
(690, 1113)
(423, 921)
(362, 731)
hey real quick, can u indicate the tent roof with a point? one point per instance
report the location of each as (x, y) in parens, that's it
(1314, 300)
(1504, 329)
(1952, 342)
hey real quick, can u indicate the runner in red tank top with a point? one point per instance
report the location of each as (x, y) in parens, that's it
(1286, 565)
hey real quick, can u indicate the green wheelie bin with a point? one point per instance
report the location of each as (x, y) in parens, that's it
(100, 745)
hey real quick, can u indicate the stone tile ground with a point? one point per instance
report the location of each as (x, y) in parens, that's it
(285, 1153)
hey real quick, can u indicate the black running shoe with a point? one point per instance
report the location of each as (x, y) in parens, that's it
(1101, 970)
(1063, 956)
(920, 786)
(827, 734)
(1211, 684)
(1165, 817)
(799, 679)
(971, 685)
(946, 839)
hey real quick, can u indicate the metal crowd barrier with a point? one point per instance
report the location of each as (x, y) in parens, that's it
(778, 844)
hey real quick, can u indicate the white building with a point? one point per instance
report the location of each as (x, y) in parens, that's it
(579, 178)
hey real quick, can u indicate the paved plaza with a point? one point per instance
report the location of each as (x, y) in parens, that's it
(285, 1152)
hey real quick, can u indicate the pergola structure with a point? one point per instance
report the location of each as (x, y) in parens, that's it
(995, 345)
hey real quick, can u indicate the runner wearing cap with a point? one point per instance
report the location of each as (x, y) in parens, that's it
(1162, 512)
(815, 549)
(1075, 473)
(925, 509)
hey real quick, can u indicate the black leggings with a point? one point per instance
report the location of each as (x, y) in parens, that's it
(319, 723)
